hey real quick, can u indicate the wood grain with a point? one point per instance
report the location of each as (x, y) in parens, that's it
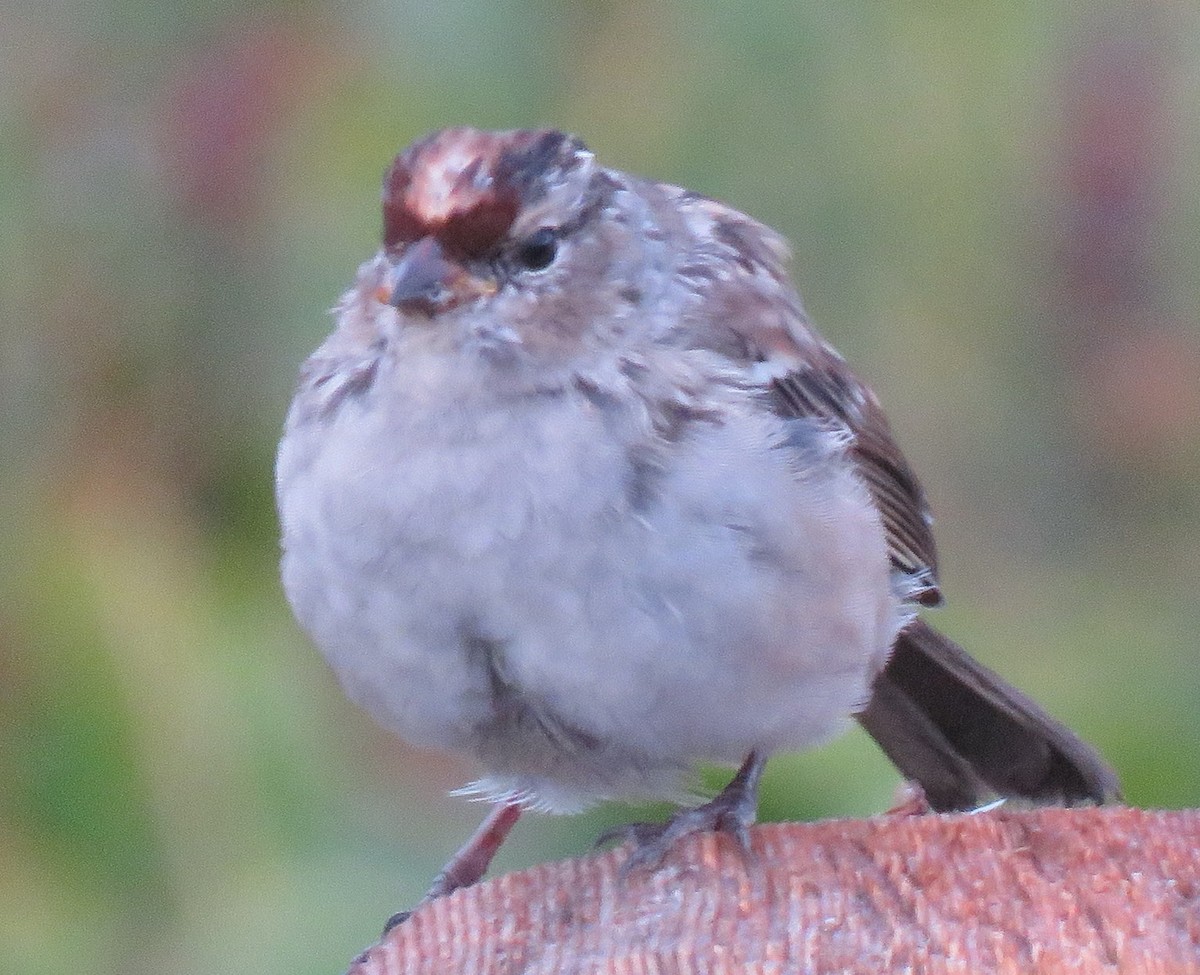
(1111, 890)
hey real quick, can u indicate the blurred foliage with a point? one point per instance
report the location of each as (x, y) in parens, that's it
(994, 209)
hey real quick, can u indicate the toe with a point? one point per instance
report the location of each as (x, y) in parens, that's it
(637, 833)
(398, 918)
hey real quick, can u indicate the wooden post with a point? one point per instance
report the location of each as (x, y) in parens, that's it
(1045, 891)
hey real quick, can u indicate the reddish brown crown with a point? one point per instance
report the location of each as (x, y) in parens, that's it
(465, 186)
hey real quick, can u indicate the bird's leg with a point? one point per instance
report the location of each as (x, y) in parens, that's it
(471, 862)
(732, 811)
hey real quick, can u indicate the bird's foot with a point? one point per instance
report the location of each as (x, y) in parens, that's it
(909, 799)
(732, 812)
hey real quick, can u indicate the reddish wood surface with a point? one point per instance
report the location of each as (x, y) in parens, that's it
(1046, 891)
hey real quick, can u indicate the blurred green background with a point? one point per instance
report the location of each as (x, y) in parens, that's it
(995, 209)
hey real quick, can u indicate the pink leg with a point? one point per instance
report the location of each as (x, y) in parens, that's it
(470, 863)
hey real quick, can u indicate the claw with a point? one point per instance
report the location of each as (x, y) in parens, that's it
(398, 918)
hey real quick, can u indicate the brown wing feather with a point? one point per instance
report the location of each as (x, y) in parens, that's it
(752, 314)
(946, 721)
(823, 387)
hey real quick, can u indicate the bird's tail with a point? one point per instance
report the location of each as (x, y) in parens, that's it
(967, 736)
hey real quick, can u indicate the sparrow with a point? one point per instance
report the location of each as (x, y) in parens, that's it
(576, 488)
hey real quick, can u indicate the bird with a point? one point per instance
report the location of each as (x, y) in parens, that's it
(575, 487)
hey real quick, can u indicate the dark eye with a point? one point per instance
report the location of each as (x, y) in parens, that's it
(537, 251)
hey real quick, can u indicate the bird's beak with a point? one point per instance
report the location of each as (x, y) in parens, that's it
(426, 281)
